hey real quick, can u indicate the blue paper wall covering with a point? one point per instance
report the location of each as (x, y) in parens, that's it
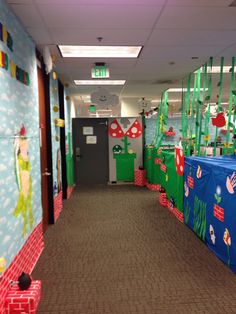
(209, 203)
(18, 106)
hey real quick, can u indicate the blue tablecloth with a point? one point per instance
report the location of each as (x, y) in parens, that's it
(210, 203)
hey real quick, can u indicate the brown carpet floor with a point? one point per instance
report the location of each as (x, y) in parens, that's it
(115, 250)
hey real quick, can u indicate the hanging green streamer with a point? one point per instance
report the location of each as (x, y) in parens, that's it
(185, 114)
(229, 124)
(207, 99)
(219, 109)
(201, 104)
(197, 108)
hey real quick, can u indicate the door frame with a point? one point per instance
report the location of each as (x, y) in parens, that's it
(46, 81)
(62, 140)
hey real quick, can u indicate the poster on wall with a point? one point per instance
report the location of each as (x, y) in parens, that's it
(87, 130)
(91, 139)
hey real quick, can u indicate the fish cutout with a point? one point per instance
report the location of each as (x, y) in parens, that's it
(199, 172)
(219, 121)
(212, 234)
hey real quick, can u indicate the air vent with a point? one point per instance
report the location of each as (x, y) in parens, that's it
(233, 4)
(166, 82)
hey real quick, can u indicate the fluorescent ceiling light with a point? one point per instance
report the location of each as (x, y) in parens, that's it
(100, 51)
(216, 69)
(155, 100)
(180, 90)
(99, 82)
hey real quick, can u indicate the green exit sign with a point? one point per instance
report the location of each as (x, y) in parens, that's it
(100, 72)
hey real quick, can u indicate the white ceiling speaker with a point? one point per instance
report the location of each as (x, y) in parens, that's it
(47, 59)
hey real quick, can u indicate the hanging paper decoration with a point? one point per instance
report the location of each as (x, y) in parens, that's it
(219, 121)
(212, 234)
(5, 36)
(199, 172)
(59, 122)
(2, 265)
(15, 71)
(170, 132)
(47, 59)
(231, 183)
(227, 241)
(117, 149)
(115, 129)
(23, 207)
(135, 130)
(179, 160)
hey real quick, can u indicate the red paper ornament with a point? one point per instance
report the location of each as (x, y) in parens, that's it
(219, 121)
(135, 130)
(115, 129)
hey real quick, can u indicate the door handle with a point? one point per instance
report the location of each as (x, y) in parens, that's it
(46, 173)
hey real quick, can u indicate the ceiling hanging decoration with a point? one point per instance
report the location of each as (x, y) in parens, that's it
(102, 97)
(47, 59)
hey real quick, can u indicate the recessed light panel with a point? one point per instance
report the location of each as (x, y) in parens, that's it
(100, 51)
(99, 82)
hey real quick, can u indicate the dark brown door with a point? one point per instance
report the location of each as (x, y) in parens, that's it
(43, 150)
(90, 143)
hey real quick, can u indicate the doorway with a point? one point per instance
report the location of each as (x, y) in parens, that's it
(90, 144)
(45, 150)
(62, 140)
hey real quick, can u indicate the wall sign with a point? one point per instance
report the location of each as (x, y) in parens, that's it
(91, 139)
(87, 130)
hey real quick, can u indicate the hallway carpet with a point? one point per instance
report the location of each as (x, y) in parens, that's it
(115, 250)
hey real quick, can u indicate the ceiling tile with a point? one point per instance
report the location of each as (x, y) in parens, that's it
(228, 52)
(88, 62)
(208, 18)
(28, 15)
(39, 35)
(78, 36)
(101, 2)
(177, 37)
(198, 2)
(19, 1)
(173, 53)
(99, 16)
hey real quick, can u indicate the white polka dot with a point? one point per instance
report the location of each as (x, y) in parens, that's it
(181, 168)
(134, 130)
(114, 126)
(139, 132)
(133, 135)
(177, 159)
(136, 122)
(120, 131)
(113, 134)
(181, 153)
(128, 133)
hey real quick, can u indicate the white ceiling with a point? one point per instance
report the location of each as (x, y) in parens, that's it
(169, 30)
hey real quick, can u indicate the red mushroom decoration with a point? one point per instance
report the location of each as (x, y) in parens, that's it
(179, 160)
(135, 130)
(115, 129)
